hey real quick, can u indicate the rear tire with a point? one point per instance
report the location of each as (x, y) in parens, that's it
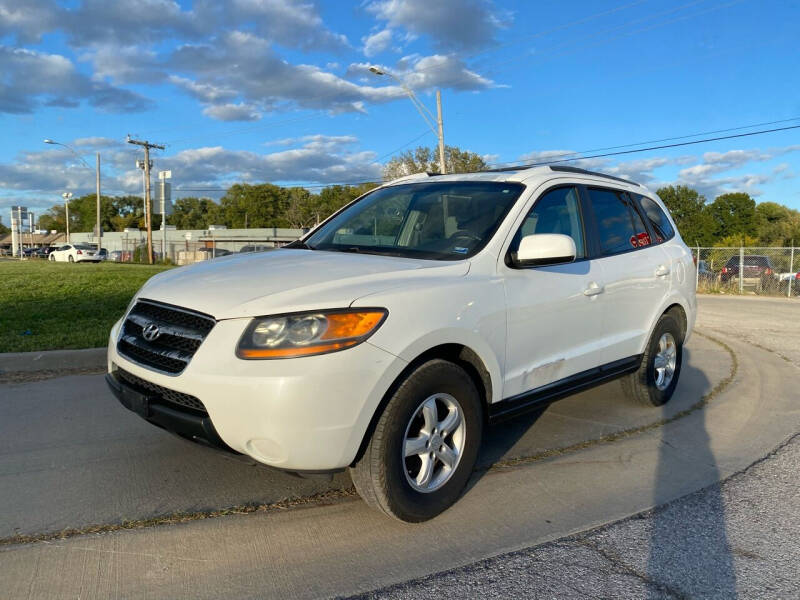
(424, 446)
(70, 259)
(654, 382)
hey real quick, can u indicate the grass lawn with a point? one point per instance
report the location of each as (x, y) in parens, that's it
(48, 306)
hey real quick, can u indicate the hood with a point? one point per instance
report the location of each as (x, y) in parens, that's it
(284, 280)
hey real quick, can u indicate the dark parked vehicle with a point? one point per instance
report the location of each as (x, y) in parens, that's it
(256, 248)
(757, 271)
(43, 251)
(212, 253)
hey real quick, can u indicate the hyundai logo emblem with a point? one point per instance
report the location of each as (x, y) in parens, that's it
(150, 332)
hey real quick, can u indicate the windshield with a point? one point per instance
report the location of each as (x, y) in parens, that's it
(440, 221)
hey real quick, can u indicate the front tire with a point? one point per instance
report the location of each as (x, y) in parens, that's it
(51, 258)
(424, 446)
(657, 377)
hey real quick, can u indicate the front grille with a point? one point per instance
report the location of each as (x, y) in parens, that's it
(181, 332)
(164, 394)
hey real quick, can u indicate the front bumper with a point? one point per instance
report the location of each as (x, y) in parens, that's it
(303, 414)
(157, 410)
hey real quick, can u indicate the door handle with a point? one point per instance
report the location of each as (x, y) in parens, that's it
(593, 289)
(662, 271)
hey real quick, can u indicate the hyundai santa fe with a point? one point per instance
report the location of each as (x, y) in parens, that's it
(385, 339)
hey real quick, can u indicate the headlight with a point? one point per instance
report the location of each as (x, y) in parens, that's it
(306, 334)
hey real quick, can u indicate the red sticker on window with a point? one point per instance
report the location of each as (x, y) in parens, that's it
(640, 239)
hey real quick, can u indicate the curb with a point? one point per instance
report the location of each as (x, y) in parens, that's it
(52, 360)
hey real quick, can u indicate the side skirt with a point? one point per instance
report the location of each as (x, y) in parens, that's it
(542, 396)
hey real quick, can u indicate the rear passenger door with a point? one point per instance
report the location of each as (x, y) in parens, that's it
(635, 272)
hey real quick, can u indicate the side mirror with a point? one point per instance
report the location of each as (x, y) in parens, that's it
(545, 249)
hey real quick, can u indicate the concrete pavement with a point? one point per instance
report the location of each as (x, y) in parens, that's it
(71, 456)
(344, 548)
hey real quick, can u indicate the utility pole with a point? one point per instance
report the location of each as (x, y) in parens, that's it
(147, 145)
(97, 191)
(442, 166)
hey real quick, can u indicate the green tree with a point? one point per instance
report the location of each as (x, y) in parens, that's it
(689, 210)
(777, 225)
(54, 219)
(426, 160)
(262, 205)
(195, 213)
(3, 229)
(734, 214)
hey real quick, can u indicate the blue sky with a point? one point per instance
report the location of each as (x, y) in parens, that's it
(275, 90)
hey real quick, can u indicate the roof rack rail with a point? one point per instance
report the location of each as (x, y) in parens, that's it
(595, 173)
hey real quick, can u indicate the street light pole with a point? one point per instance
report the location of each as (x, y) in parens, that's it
(422, 109)
(441, 131)
(66, 196)
(97, 185)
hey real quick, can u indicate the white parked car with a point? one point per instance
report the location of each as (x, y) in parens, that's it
(75, 253)
(387, 337)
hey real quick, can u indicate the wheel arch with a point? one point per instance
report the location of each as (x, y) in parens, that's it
(680, 315)
(459, 354)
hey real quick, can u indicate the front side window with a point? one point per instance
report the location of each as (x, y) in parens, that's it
(619, 226)
(659, 222)
(439, 221)
(557, 211)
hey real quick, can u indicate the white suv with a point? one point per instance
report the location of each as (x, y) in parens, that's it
(386, 338)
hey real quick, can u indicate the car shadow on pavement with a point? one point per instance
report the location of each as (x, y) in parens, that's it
(694, 559)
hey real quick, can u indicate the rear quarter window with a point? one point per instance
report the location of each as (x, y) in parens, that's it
(659, 222)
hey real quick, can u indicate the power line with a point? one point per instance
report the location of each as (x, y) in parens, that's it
(511, 167)
(669, 139)
(703, 141)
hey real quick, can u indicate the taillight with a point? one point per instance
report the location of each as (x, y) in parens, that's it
(797, 276)
(79, 252)
(724, 269)
(768, 271)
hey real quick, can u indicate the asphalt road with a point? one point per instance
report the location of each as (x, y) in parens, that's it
(750, 550)
(71, 458)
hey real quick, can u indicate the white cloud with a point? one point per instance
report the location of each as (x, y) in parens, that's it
(377, 42)
(453, 25)
(425, 73)
(243, 66)
(232, 112)
(32, 78)
(315, 158)
(28, 20)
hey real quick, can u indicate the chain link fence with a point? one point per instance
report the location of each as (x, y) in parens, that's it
(188, 252)
(763, 271)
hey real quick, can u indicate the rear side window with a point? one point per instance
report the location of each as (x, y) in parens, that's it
(619, 226)
(659, 222)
